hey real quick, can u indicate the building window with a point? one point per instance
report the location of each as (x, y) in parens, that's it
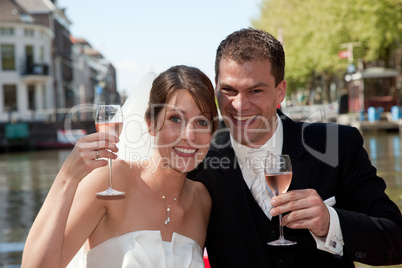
(10, 97)
(6, 31)
(26, 18)
(31, 97)
(29, 32)
(7, 57)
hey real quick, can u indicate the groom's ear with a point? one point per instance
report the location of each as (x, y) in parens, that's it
(151, 127)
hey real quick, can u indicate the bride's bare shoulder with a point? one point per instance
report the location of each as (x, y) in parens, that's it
(200, 192)
(126, 168)
(122, 164)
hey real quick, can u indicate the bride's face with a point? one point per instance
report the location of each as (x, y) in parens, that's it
(183, 134)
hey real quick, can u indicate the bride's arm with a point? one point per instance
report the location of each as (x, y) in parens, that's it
(45, 243)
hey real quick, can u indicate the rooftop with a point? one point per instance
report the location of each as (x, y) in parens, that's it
(37, 6)
(93, 53)
(80, 41)
(10, 11)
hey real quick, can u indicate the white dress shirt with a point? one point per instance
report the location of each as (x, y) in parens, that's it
(333, 243)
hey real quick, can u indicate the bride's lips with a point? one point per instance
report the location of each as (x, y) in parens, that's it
(244, 119)
(183, 151)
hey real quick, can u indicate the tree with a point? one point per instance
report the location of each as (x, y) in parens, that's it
(313, 31)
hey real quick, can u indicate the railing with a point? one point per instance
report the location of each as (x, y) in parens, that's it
(81, 112)
(36, 69)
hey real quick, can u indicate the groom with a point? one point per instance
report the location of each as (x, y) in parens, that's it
(336, 209)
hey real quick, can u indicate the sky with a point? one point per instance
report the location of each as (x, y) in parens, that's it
(141, 36)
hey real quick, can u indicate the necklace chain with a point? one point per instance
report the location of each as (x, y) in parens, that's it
(164, 198)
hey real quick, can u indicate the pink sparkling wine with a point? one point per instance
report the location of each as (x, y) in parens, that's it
(112, 128)
(279, 183)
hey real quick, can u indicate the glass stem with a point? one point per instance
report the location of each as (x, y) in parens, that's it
(110, 172)
(281, 237)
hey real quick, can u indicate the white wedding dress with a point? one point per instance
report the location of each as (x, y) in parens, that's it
(142, 249)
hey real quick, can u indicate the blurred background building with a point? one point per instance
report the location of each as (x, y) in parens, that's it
(44, 71)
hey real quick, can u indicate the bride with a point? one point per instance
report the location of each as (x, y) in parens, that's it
(162, 219)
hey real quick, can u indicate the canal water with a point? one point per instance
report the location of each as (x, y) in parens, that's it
(25, 178)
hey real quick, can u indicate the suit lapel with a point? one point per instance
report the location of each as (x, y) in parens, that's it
(237, 198)
(293, 146)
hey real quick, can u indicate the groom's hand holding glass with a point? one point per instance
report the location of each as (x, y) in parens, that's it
(304, 210)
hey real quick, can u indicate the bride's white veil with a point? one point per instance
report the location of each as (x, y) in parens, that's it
(135, 141)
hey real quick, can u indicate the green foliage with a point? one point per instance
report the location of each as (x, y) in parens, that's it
(313, 31)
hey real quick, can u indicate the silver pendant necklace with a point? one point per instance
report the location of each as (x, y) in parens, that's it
(164, 198)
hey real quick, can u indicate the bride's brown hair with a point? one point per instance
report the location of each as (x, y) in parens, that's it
(182, 77)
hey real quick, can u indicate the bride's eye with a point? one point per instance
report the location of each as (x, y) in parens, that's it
(203, 123)
(175, 119)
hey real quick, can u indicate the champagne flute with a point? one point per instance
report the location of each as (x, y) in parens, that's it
(109, 119)
(278, 174)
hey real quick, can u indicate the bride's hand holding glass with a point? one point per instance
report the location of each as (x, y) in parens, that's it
(85, 155)
(109, 120)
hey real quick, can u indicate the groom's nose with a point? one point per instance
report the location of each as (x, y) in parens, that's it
(240, 102)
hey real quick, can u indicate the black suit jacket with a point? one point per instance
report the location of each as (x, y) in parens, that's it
(326, 157)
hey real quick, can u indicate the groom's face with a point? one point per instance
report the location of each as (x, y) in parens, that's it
(247, 98)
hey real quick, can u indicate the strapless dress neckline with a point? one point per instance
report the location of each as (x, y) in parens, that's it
(142, 249)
